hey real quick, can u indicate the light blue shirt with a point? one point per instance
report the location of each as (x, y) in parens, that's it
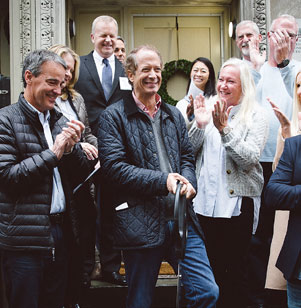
(58, 202)
(270, 84)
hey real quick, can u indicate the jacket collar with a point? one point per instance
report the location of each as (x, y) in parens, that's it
(130, 107)
(33, 115)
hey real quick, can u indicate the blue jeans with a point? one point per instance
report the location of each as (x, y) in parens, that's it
(294, 294)
(142, 268)
(32, 279)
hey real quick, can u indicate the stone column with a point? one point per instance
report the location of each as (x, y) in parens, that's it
(34, 24)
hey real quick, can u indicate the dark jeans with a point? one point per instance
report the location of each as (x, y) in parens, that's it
(143, 265)
(227, 242)
(259, 253)
(294, 293)
(32, 279)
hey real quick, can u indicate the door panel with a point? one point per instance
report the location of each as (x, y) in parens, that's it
(159, 32)
(200, 37)
(182, 37)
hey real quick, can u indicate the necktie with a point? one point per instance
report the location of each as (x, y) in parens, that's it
(106, 78)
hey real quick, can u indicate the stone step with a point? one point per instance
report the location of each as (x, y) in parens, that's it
(107, 295)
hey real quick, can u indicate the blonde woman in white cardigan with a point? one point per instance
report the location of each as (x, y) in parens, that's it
(275, 279)
(228, 139)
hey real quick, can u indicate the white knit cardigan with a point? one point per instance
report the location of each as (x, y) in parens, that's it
(243, 147)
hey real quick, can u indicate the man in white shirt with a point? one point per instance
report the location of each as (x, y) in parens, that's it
(92, 81)
(99, 84)
(38, 154)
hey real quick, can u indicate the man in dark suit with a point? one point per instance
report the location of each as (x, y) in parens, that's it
(100, 84)
(91, 83)
(283, 193)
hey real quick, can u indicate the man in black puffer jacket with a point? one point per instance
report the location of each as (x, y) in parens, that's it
(38, 155)
(144, 150)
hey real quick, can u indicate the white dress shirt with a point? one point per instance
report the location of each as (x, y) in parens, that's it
(99, 64)
(58, 202)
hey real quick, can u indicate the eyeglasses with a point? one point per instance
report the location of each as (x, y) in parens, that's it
(291, 35)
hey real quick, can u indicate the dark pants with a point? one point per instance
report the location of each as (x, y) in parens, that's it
(110, 259)
(227, 242)
(3, 302)
(32, 279)
(259, 253)
(82, 252)
(142, 268)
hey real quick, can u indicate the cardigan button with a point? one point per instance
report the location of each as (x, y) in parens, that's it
(228, 171)
(231, 191)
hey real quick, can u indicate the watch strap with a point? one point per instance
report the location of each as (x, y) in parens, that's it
(284, 63)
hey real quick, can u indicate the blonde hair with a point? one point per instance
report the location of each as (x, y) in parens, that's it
(248, 93)
(60, 50)
(296, 109)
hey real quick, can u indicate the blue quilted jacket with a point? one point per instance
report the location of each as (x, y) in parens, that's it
(131, 173)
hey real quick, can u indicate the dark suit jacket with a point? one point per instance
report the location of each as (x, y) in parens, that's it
(89, 86)
(283, 192)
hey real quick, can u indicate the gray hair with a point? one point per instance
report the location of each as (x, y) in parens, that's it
(290, 18)
(36, 59)
(248, 22)
(105, 19)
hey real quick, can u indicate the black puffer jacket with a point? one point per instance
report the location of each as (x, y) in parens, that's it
(131, 171)
(26, 175)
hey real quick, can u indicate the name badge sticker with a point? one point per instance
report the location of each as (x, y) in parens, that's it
(122, 206)
(124, 83)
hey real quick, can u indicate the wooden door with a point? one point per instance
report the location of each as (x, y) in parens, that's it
(180, 37)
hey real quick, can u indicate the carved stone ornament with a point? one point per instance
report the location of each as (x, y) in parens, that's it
(261, 21)
(46, 23)
(25, 28)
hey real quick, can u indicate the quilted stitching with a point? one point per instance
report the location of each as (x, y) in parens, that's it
(26, 169)
(131, 172)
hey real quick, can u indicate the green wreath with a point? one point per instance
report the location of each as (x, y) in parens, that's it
(171, 68)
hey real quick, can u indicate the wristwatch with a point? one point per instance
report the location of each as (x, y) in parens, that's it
(225, 131)
(284, 63)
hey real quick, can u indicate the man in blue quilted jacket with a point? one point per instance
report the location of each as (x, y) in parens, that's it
(144, 151)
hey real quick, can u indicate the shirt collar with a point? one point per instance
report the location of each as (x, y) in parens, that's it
(99, 58)
(43, 117)
(141, 106)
